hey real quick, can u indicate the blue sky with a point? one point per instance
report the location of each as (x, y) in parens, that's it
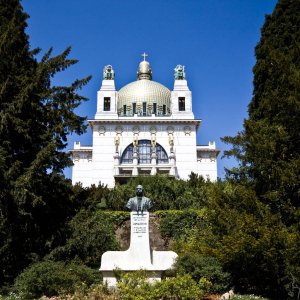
(214, 39)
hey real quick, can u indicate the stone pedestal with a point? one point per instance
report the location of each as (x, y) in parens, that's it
(139, 255)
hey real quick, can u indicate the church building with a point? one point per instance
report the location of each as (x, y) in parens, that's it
(143, 129)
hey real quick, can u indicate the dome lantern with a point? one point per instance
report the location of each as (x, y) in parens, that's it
(144, 70)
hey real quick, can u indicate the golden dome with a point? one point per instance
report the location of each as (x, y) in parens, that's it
(132, 96)
(141, 91)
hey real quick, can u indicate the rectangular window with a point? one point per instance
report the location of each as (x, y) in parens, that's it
(181, 103)
(124, 110)
(106, 104)
(154, 109)
(133, 108)
(144, 108)
(164, 109)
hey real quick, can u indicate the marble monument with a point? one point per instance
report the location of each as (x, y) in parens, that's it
(139, 255)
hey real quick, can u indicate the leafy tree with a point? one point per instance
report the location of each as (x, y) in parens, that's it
(269, 146)
(174, 224)
(35, 119)
(198, 267)
(269, 152)
(93, 197)
(165, 193)
(91, 234)
(250, 241)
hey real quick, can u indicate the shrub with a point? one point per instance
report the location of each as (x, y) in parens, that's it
(51, 278)
(92, 233)
(175, 223)
(135, 285)
(97, 291)
(205, 285)
(248, 297)
(179, 287)
(204, 267)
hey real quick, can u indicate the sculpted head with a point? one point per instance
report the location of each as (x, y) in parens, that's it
(139, 190)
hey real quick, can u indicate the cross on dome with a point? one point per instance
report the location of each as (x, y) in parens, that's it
(144, 70)
(144, 55)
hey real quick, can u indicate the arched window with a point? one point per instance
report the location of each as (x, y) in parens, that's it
(144, 153)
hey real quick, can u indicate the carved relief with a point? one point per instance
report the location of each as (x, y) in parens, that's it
(212, 157)
(136, 130)
(153, 130)
(170, 129)
(102, 130)
(119, 130)
(187, 130)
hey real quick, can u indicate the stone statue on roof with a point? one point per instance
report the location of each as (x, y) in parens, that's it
(108, 73)
(179, 72)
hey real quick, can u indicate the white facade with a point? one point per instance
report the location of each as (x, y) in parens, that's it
(143, 129)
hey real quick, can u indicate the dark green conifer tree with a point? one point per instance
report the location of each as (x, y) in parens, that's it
(269, 146)
(35, 119)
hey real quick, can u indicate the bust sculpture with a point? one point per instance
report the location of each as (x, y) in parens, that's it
(139, 254)
(139, 203)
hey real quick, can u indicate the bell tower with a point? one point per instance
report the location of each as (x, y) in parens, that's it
(181, 96)
(107, 96)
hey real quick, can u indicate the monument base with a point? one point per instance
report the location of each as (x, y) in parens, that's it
(138, 256)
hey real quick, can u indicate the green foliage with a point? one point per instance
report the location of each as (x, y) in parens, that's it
(205, 285)
(250, 241)
(117, 217)
(165, 193)
(246, 239)
(93, 292)
(93, 197)
(175, 223)
(12, 296)
(180, 287)
(91, 234)
(51, 278)
(248, 297)
(204, 269)
(134, 286)
(269, 153)
(269, 146)
(36, 117)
